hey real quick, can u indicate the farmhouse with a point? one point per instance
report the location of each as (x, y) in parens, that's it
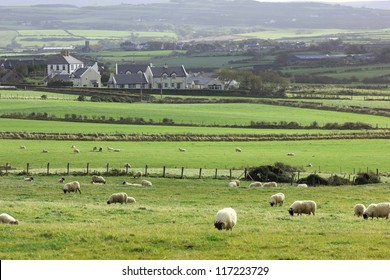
(130, 81)
(63, 63)
(167, 77)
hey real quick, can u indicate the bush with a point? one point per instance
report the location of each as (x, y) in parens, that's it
(279, 172)
(313, 180)
(366, 178)
(338, 181)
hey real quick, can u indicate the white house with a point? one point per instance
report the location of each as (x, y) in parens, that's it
(63, 63)
(86, 77)
(167, 77)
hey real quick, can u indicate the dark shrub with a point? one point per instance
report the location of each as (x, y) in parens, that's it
(338, 181)
(313, 180)
(279, 172)
(366, 178)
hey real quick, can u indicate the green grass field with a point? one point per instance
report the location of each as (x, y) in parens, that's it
(174, 220)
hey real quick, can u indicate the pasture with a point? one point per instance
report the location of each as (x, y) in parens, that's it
(174, 218)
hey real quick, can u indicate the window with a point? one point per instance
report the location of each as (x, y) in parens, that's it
(165, 76)
(173, 76)
(166, 85)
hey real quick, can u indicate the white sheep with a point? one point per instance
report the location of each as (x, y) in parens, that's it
(131, 199)
(45, 151)
(98, 179)
(380, 210)
(117, 150)
(146, 183)
(270, 185)
(226, 219)
(8, 219)
(22, 147)
(238, 150)
(118, 198)
(110, 148)
(276, 199)
(131, 184)
(256, 184)
(234, 183)
(76, 151)
(182, 150)
(28, 179)
(94, 149)
(291, 154)
(72, 187)
(302, 185)
(359, 209)
(303, 207)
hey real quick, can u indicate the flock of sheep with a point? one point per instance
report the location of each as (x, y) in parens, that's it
(226, 218)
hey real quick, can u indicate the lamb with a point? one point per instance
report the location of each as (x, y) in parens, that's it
(276, 199)
(131, 184)
(22, 147)
(61, 180)
(238, 150)
(270, 185)
(131, 199)
(45, 151)
(359, 210)
(302, 185)
(76, 151)
(291, 154)
(302, 207)
(256, 184)
(226, 219)
(380, 210)
(137, 174)
(72, 187)
(28, 179)
(234, 183)
(8, 219)
(146, 183)
(182, 150)
(98, 179)
(117, 198)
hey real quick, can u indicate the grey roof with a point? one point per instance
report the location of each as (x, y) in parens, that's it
(123, 79)
(79, 72)
(61, 59)
(132, 68)
(62, 77)
(160, 71)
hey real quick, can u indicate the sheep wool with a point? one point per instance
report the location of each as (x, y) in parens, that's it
(72, 187)
(255, 184)
(226, 219)
(118, 198)
(131, 199)
(270, 185)
(146, 183)
(302, 186)
(303, 207)
(276, 199)
(232, 184)
(8, 219)
(380, 210)
(98, 179)
(359, 209)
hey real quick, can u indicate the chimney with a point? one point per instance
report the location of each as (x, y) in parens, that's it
(65, 52)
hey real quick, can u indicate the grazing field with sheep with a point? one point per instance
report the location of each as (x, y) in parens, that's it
(174, 219)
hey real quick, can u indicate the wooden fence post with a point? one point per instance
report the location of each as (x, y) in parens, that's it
(107, 168)
(127, 169)
(230, 174)
(216, 173)
(182, 173)
(200, 173)
(146, 170)
(27, 168)
(68, 168)
(48, 168)
(163, 171)
(87, 168)
(6, 168)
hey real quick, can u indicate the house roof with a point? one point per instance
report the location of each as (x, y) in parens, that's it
(62, 77)
(123, 79)
(62, 59)
(132, 68)
(80, 71)
(180, 71)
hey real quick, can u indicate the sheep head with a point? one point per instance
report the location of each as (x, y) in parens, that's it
(219, 225)
(291, 211)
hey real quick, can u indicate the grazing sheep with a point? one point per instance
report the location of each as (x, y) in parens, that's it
(256, 184)
(291, 154)
(100, 149)
(45, 151)
(73, 147)
(117, 150)
(238, 150)
(226, 219)
(22, 147)
(61, 180)
(137, 174)
(131, 184)
(8, 219)
(28, 179)
(309, 165)
(76, 151)
(359, 209)
(131, 199)
(94, 149)
(146, 183)
(232, 184)
(98, 179)
(127, 165)
(270, 185)
(276, 199)
(302, 207)
(182, 150)
(380, 210)
(110, 148)
(117, 198)
(72, 187)
(302, 185)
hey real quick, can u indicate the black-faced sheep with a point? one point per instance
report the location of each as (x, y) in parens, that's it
(8, 219)
(182, 150)
(98, 179)
(303, 207)
(61, 180)
(22, 147)
(146, 183)
(238, 150)
(131, 184)
(276, 199)
(28, 179)
(226, 219)
(380, 210)
(45, 151)
(359, 209)
(137, 174)
(117, 198)
(72, 187)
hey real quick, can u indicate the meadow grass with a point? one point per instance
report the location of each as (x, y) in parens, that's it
(326, 156)
(203, 114)
(174, 220)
